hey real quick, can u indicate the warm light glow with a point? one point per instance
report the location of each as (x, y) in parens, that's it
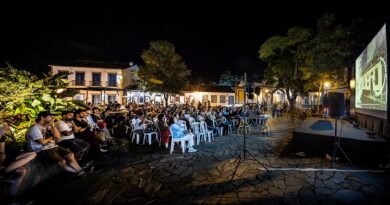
(352, 84)
(60, 90)
(326, 84)
(266, 90)
(197, 96)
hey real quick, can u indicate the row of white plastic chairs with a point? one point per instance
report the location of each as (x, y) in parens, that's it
(199, 129)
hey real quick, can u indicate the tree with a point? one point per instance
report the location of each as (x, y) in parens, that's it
(228, 79)
(164, 71)
(286, 57)
(23, 95)
(333, 51)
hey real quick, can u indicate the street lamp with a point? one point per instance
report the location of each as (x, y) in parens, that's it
(352, 84)
(326, 84)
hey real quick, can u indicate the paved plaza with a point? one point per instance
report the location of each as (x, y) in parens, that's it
(150, 175)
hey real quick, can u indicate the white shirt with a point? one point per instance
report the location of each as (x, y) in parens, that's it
(136, 122)
(36, 132)
(64, 126)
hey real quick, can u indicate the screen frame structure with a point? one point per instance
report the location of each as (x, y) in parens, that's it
(371, 112)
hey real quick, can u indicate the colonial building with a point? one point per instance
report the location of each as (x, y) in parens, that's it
(216, 95)
(99, 82)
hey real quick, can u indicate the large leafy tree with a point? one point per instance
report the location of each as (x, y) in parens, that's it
(332, 52)
(164, 71)
(328, 52)
(286, 57)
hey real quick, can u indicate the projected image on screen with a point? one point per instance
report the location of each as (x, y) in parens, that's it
(371, 74)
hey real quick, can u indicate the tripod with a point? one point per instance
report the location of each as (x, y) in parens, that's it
(337, 145)
(244, 150)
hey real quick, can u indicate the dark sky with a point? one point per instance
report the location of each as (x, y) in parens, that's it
(211, 38)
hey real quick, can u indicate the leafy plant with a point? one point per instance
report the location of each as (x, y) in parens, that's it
(23, 95)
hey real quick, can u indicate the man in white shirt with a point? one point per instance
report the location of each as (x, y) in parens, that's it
(67, 127)
(40, 139)
(137, 123)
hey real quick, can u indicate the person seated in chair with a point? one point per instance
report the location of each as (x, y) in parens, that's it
(67, 128)
(179, 132)
(40, 139)
(14, 172)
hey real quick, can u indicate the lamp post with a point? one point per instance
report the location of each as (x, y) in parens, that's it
(326, 87)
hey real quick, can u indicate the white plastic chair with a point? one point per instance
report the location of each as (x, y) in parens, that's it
(191, 120)
(264, 125)
(243, 126)
(181, 140)
(220, 129)
(134, 135)
(198, 132)
(148, 135)
(230, 129)
(209, 133)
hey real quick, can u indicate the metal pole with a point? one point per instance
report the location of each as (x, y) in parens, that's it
(335, 143)
(244, 109)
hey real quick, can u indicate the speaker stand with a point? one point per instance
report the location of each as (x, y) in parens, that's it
(337, 145)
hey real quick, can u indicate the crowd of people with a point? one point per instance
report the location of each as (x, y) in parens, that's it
(66, 140)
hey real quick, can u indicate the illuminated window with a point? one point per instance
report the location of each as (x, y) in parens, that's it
(205, 98)
(213, 98)
(231, 100)
(222, 98)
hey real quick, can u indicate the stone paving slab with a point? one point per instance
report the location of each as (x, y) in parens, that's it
(150, 175)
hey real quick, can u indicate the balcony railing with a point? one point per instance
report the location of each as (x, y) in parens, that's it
(111, 84)
(95, 83)
(77, 83)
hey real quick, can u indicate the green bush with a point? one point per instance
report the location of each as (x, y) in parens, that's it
(23, 95)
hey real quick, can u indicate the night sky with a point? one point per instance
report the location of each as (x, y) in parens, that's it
(211, 38)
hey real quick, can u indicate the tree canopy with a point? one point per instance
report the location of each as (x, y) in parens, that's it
(303, 59)
(286, 56)
(164, 71)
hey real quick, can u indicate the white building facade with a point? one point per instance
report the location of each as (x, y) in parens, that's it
(99, 83)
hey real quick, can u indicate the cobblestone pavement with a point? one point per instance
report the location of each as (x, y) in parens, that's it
(150, 175)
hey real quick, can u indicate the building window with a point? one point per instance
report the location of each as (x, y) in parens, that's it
(80, 78)
(96, 99)
(111, 98)
(213, 98)
(231, 100)
(96, 79)
(222, 98)
(205, 98)
(112, 82)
